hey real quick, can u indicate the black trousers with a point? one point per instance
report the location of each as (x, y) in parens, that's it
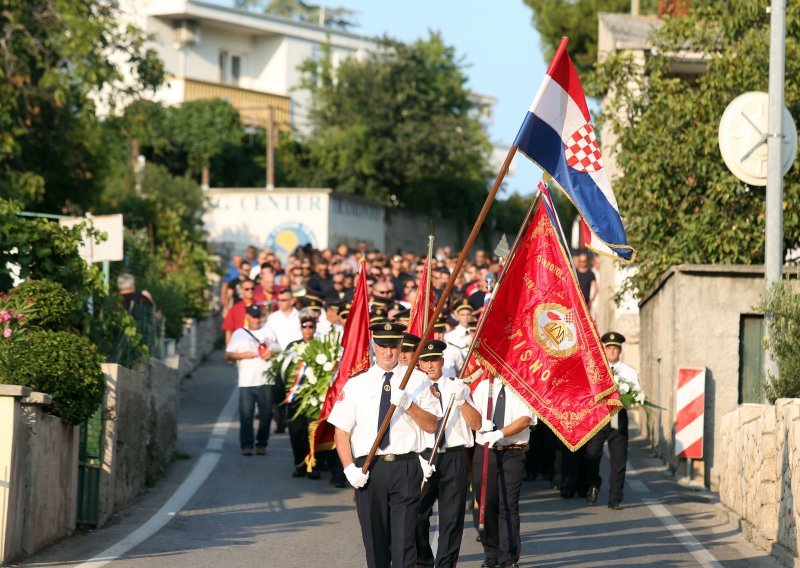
(618, 450)
(298, 436)
(448, 484)
(574, 471)
(387, 512)
(501, 539)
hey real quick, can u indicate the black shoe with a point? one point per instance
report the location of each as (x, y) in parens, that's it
(509, 564)
(490, 563)
(299, 473)
(567, 493)
(247, 452)
(614, 505)
(261, 450)
(313, 474)
(591, 497)
(478, 539)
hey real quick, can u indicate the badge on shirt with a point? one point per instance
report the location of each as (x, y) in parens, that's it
(340, 396)
(435, 393)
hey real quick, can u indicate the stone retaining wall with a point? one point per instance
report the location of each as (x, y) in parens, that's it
(760, 474)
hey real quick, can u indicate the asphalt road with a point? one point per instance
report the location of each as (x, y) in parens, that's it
(248, 511)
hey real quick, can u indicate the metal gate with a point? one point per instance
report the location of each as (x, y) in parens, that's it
(90, 459)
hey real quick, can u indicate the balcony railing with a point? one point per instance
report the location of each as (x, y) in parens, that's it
(253, 106)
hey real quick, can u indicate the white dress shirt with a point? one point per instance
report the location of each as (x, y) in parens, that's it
(516, 408)
(251, 371)
(285, 327)
(357, 408)
(453, 361)
(456, 431)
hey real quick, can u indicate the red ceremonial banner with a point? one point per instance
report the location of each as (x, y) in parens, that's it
(355, 358)
(537, 336)
(416, 324)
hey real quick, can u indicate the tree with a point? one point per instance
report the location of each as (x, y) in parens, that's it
(679, 202)
(202, 128)
(59, 58)
(399, 127)
(339, 18)
(577, 19)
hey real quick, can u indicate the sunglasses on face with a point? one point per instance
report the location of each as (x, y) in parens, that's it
(307, 325)
(247, 289)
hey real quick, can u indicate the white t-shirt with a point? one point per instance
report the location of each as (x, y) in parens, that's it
(251, 371)
(515, 408)
(358, 406)
(286, 328)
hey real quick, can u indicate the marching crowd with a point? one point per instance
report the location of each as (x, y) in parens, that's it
(271, 306)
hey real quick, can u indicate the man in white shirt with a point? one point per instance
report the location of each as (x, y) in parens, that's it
(285, 322)
(387, 496)
(615, 433)
(453, 358)
(461, 336)
(249, 349)
(507, 435)
(448, 482)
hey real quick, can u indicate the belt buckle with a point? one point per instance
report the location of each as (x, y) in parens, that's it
(388, 457)
(441, 450)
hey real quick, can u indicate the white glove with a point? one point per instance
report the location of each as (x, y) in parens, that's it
(460, 390)
(400, 399)
(355, 476)
(427, 470)
(492, 438)
(486, 426)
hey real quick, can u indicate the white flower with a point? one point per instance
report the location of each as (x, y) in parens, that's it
(639, 397)
(313, 400)
(312, 380)
(623, 387)
(327, 367)
(310, 374)
(321, 359)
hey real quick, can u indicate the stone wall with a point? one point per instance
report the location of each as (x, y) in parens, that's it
(760, 474)
(691, 318)
(38, 473)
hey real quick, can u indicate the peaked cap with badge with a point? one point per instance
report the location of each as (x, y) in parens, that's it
(433, 349)
(462, 305)
(410, 342)
(387, 333)
(613, 339)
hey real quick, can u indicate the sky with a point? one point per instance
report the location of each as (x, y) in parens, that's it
(498, 43)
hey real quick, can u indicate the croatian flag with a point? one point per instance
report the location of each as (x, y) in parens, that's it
(558, 135)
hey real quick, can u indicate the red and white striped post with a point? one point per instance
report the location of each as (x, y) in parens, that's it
(690, 415)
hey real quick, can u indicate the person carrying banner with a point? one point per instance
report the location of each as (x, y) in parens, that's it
(448, 482)
(387, 497)
(507, 435)
(615, 432)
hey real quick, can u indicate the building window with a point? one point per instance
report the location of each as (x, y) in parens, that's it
(236, 69)
(751, 358)
(223, 67)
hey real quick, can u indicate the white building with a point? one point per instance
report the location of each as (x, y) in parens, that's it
(249, 59)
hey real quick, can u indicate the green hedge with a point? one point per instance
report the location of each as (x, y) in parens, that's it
(782, 306)
(61, 364)
(53, 304)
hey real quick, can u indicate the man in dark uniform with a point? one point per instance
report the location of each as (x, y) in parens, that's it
(448, 483)
(615, 432)
(387, 496)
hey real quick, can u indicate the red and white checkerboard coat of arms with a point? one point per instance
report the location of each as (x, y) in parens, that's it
(582, 151)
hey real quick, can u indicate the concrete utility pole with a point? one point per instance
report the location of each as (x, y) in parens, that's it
(773, 253)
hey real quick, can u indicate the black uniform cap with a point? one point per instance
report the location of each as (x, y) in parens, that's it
(613, 338)
(410, 342)
(433, 349)
(387, 334)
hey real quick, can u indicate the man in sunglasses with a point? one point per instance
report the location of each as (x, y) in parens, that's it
(250, 347)
(235, 318)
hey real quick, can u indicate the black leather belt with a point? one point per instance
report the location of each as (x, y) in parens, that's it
(522, 447)
(443, 450)
(388, 458)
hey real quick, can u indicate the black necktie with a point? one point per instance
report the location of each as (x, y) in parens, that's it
(439, 421)
(500, 409)
(386, 395)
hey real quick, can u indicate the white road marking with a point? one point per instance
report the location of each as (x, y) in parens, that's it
(659, 511)
(200, 472)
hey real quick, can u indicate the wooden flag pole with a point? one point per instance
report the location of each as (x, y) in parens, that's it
(438, 441)
(428, 280)
(485, 465)
(462, 257)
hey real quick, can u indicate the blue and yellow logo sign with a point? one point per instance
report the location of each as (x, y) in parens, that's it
(285, 238)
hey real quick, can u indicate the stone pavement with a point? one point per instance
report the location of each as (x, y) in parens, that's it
(250, 512)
